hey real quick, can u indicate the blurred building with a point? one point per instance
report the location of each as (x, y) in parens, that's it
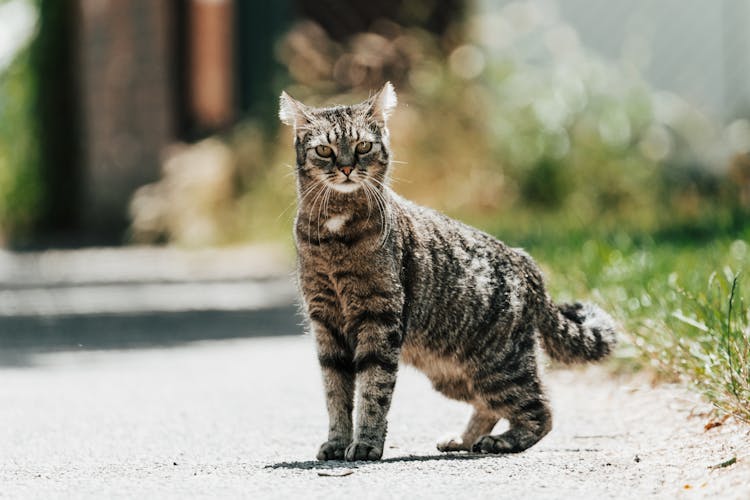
(120, 80)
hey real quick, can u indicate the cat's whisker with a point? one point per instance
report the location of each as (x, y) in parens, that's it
(395, 178)
(327, 200)
(323, 206)
(382, 184)
(400, 180)
(307, 193)
(320, 206)
(318, 194)
(291, 171)
(386, 217)
(370, 197)
(379, 182)
(369, 201)
(382, 207)
(286, 209)
(298, 201)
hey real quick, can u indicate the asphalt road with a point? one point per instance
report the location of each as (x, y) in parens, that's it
(243, 418)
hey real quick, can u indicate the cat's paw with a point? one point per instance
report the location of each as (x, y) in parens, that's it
(359, 450)
(452, 444)
(332, 450)
(493, 444)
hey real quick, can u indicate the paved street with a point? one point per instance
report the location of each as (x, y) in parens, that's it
(244, 417)
(161, 373)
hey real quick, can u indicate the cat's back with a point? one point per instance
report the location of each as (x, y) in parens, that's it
(459, 278)
(450, 241)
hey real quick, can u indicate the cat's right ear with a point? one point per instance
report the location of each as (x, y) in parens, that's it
(292, 112)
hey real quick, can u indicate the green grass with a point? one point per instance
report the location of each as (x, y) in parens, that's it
(681, 301)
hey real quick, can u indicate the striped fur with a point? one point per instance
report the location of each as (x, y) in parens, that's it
(384, 280)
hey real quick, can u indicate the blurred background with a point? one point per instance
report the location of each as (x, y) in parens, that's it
(612, 140)
(154, 122)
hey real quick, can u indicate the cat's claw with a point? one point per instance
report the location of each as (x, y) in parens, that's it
(332, 450)
(360, 450)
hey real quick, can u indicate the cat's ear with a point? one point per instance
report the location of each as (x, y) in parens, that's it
(292, 112)
(383, 103)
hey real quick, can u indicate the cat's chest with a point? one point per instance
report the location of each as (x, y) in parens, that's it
(359, 273)
(325, 228)
(336, 223)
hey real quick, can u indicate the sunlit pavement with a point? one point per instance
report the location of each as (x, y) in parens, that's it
(224, 418)
(243, 418)
(228, 403)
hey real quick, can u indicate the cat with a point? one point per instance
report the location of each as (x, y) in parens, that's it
(383, 279)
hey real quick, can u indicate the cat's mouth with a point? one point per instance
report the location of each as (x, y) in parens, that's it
(345, 186)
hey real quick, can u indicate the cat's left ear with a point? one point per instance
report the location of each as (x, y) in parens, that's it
(292, 112)
(383, 103)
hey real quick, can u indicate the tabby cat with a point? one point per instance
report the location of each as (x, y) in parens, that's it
(383, 280)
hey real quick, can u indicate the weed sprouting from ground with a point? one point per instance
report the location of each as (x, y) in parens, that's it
(711, 336)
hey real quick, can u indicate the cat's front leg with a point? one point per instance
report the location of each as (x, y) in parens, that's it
(336, 363)
(379, 338)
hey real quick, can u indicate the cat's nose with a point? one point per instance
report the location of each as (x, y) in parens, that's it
(346, 170)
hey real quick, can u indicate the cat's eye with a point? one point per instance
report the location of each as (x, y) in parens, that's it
(323, 150)
(363, 147)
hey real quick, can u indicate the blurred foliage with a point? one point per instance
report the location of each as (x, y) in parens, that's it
(19, 175)
(219, 191)
(579, 134)
(497, 123)
(192, 203)
(21, 187)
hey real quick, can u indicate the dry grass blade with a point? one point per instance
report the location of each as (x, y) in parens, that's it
(335, 473)
(725, 463)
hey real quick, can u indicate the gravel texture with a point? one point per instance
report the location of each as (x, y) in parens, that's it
(244, 418)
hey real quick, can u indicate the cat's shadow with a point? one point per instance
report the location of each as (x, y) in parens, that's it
(341, 464)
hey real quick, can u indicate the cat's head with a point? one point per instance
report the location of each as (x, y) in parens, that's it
(342, 147)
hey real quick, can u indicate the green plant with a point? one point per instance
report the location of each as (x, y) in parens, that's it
(711, 339)
(680, 316)
(20, 189)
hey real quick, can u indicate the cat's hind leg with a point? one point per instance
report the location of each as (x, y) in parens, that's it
(481, 423)
(451, 380)
(520, 399)
(526, 429)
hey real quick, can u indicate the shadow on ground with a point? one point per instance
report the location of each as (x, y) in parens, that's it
(23, 336)
(339, 464)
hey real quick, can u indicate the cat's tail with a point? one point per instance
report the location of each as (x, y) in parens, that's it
(577, 333)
